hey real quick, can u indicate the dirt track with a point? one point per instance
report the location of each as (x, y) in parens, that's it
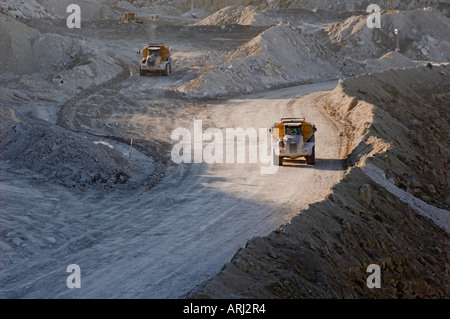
(163, 243)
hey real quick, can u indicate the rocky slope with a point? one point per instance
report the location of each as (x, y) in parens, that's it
(423, 34)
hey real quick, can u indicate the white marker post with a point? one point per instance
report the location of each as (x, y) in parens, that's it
(374, 19)
(397, 49)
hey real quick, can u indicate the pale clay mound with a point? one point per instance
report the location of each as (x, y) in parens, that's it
(278, 56)
(237, 15)
(299, 59)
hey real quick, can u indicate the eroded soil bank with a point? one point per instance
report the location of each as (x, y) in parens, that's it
(399, 127)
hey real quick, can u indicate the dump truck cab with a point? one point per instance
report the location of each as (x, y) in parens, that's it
(130, 17)
(156, 59)
(293, 138)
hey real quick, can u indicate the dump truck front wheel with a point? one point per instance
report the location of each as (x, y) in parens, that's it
(277, 160)
(311, 160)
(280, 160)
(141, 72)
(166, 70)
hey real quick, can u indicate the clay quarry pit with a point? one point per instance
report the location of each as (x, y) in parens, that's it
(87, 178)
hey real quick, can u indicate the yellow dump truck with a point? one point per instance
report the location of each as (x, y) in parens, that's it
(293, 138)
(130, 17)
(156, 59)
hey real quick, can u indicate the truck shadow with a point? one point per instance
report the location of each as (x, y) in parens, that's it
(325, 164)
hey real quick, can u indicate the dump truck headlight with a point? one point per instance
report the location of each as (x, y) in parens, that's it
(281, 144)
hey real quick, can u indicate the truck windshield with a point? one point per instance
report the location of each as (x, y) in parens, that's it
(293, 130)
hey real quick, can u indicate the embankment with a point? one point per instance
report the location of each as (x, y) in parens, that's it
(396, 123)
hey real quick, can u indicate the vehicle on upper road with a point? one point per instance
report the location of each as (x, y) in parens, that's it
(130, 17)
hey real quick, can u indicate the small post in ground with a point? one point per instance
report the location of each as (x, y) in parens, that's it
(131, 148)
(397, 49)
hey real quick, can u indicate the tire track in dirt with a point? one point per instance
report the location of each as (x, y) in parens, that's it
(165, 242)
(68, 110)
(67, 120)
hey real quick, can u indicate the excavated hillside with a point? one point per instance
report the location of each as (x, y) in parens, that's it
(285, 55)
(350, 5)
(279, 56)
(390, 209)
(212, 6)
(424, 34)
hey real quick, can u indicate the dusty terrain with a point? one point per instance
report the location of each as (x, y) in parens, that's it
(87, 176)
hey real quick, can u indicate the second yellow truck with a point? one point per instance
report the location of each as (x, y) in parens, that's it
(156, 58)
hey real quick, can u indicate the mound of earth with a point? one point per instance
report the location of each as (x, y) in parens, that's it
(237, 15)
(279, 56)
(423, 34)
(390, 209)
(391, 60)
(62, 157)
(351, 5)
(197, 8)
(26, 9)
(16, 51)
(283, 55)
(24, 50)
(48, 66)
(336, 6)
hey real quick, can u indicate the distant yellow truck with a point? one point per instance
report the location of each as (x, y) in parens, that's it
(156, 58)
(130, 17)
(294, 138)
